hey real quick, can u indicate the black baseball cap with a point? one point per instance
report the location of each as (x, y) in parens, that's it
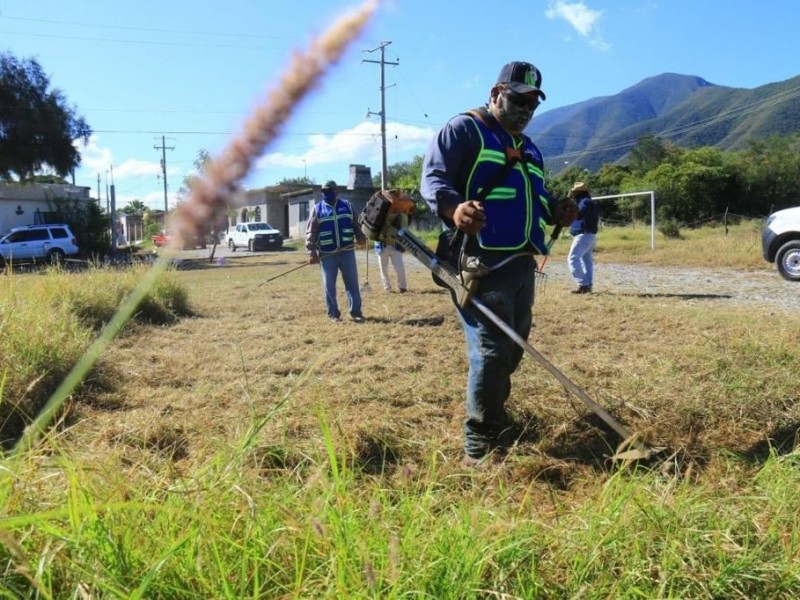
(522, 77)
(329, 185)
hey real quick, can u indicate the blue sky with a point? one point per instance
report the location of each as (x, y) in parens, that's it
(193, 71)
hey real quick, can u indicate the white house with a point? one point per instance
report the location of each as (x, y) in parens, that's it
(31, 203)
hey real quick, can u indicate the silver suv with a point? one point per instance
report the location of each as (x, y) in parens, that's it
(51, 242)
(780, 242)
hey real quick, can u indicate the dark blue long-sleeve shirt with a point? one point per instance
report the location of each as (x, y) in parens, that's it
(588, 217)
(447, 164)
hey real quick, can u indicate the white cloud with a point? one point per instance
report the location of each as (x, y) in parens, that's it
(133, 167)
(96, 158)
(93, 156)
(358, 145)
(581, 18)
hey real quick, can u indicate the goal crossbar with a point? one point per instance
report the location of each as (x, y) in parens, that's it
(652, 195)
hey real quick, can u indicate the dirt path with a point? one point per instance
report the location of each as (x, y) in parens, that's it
(764, 289)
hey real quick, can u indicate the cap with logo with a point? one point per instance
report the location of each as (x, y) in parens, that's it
(522, 77)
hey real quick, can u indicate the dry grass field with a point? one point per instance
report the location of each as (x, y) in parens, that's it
(701, 380)
(233, 442)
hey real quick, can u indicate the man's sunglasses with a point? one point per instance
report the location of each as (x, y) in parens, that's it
(520, 100)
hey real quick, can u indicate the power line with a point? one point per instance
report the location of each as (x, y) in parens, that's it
(129, 28)
(143, 42)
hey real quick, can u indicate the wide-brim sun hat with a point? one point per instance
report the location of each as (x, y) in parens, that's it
(579, 186)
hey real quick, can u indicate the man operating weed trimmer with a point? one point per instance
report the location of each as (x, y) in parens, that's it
(485, 178)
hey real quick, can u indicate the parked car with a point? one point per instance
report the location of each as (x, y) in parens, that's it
(162, 238)
(780, 242)
(50, 242)
(257, 235)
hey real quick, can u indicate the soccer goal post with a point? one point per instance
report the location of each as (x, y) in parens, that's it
(652, 211)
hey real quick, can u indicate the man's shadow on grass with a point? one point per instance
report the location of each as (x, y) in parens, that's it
(781, 441)
(679, 296)
(432, 321)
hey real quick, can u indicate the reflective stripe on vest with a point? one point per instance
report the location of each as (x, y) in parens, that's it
(517, 208)
(335, 226)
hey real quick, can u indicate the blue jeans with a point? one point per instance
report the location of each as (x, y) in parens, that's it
(345, 262)
(493, 356)
(580, 259)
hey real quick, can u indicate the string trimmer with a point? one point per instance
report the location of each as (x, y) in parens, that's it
(385, 218)
(281, 274)
(286, 272)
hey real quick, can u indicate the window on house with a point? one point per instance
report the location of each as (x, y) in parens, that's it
(303, 210)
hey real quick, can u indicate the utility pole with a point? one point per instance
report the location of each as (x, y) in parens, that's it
(98, 188)
(163, 147)
(382, 113)
(113, 213)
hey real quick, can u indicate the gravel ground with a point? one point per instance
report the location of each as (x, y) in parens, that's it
(766, 289)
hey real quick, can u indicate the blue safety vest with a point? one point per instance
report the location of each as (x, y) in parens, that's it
(517, 208)
(335, 226)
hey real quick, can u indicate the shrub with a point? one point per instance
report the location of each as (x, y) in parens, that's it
(671, 229)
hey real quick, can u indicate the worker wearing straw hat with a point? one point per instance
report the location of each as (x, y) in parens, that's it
(584, 238)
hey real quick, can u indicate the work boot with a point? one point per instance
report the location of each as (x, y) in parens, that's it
(583, 289)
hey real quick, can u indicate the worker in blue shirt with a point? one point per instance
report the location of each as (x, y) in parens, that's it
(584, 238)
(485, 178)
(332, 234)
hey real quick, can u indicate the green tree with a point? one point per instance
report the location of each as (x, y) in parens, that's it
(49, 179)
(770, 170)
(297, 181)
(134, 207)
(87, 221)
(37, 126)
(560, 185)
(402, 175)
(649, 152)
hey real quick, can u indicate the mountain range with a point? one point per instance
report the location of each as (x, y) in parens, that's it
(684, 110)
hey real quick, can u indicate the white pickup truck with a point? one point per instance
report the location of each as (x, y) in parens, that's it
(780, 242)
(257, 235)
